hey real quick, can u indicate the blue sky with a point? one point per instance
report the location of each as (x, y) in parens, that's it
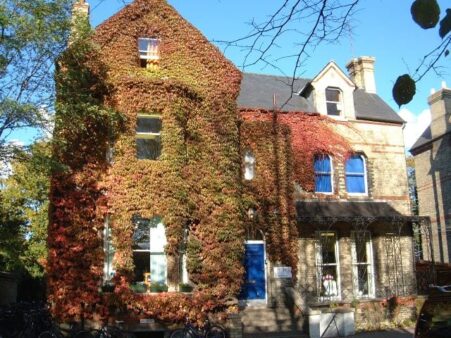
(381, 28)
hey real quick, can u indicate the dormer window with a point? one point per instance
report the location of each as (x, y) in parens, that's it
(333, 101)
(149, 52)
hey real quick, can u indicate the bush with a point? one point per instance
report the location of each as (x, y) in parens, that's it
(138, 288)
(158, 287)
(185, 287)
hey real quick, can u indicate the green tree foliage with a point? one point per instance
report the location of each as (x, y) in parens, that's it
(24, 211)
(32, 35)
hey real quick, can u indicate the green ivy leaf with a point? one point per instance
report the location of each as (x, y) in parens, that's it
(445, 24)
(426, 13)
(404, 89)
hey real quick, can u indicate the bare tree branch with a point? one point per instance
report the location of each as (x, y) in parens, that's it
(308, 23)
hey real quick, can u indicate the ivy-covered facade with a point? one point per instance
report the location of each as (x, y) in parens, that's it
(182, 194)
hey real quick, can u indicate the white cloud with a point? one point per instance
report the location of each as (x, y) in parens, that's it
(415, 126)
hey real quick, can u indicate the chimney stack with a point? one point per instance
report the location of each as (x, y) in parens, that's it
(81, 8)
(80, 18)
(361, 71)
(440, 105)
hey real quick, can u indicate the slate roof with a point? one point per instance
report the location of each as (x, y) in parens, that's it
(257, 91)
(424, 139)
(371, 107)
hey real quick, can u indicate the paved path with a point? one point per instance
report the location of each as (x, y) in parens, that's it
(398, 333)
(395, 333)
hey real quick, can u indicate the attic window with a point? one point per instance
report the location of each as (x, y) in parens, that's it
(333, 101)
(149, 52)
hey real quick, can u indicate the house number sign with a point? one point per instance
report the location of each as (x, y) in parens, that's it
(282, 272)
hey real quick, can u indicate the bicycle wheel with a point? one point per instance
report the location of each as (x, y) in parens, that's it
(179, 333)
(215, 332)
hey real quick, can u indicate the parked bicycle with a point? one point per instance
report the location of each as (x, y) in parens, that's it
(207, 331)
(74, 332)
(109, 331)
(23, 320)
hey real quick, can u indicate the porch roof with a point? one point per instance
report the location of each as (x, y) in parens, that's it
(351, 211)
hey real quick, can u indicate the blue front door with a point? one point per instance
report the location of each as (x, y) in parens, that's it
(254, 286)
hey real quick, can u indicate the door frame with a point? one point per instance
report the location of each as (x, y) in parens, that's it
(250, 302)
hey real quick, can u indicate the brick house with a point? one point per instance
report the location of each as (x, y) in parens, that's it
(432, 153)
(305, 182)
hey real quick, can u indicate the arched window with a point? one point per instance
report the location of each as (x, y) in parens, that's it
(356, 175)
(249, 165)
(149, 240)
(333, 101)
(323, 174)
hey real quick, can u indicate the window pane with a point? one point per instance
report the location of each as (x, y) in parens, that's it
(248, 171)
(355, 164)
(148, 48)
(249, 166)
(141, 260)
(355, 184)
(141, 233)
(184, 267)
(362, 272)
(108, 268)
(332, 109)
(157, 238)
(148, 149)
(328, 241)
(148, 125)
(329, 281)
(360, 247)
(158, 268)
(323, 183)
(332, 95)
(322, 164)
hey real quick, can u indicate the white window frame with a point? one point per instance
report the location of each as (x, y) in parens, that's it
(147, 54)
(365, 178)
(249, 165)
(320, 265)
(108, 252)
(324, 172)
(339, 103)
(149, 135)
(184, 269)
(155, 253)
(369, 264)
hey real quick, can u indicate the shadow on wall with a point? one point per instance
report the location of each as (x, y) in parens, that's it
(441, 183)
